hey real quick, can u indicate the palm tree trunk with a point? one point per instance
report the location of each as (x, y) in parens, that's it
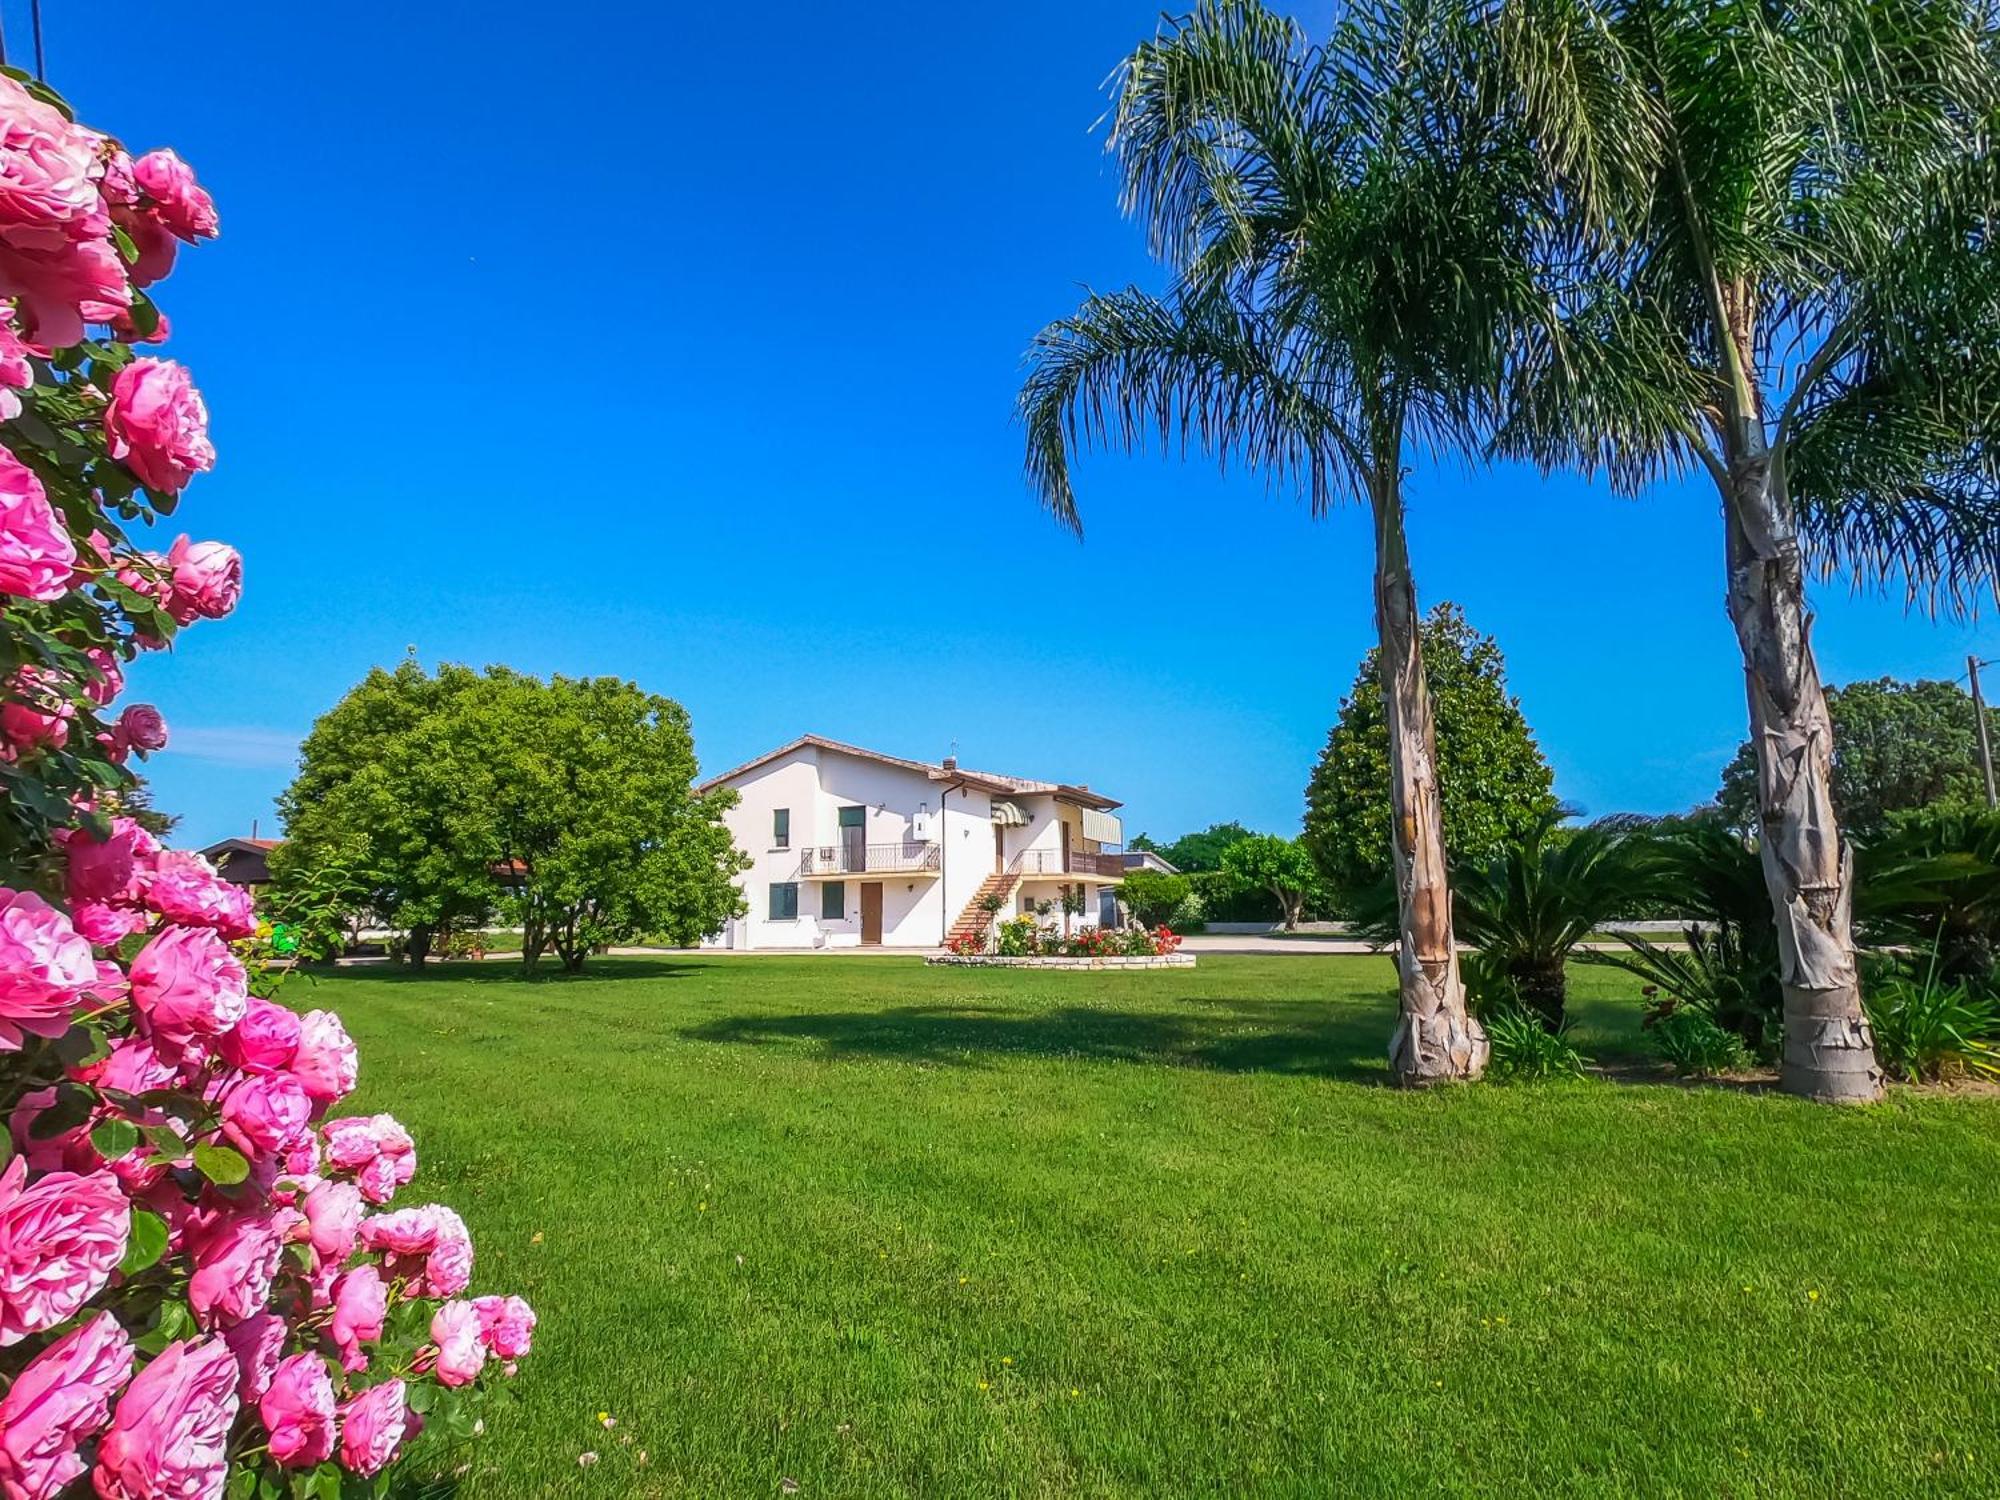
(1436, 1038)
(1829, 1050)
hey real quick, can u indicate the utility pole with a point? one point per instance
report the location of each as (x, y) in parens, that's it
(1985, 745)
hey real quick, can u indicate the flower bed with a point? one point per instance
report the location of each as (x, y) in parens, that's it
(1021, 943)
(1059, 961)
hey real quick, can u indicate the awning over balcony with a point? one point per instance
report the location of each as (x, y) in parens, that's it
(1007, 815)
(1103, 827)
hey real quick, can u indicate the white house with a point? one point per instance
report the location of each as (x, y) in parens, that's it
(849, 847)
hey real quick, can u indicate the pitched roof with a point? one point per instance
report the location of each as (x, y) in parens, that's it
(991, 781)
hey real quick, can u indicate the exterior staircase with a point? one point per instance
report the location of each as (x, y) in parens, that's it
(976, 920)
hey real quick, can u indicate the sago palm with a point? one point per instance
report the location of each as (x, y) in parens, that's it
(1776, 265)
(1341, 262)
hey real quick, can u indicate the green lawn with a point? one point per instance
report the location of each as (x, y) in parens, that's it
(886, 1230)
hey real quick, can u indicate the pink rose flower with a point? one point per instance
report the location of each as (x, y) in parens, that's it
(134, 1066)
(144, 728)
(264, 1041)
(429, 1247)
(302, 1159)
(327, 1061)
(206, 580)
(184, 888)
(108, 676)
(45, 967)
(29, 724)
(376, 1149)
(60, 1239)
(263, 1113)
(64, 1151)
(333, 1220)
(112, 870)
(258, 1342)
(55, 247)
(461, 1351)
(372, 1427)
(48, 172)
(107, 926)
(156, 424)
(170, 1433)
(298, 1412)
(63, 1399)
(507, 1324)
(37, 556)
(360, 1303)
(16, 373)
(183, 206)
(234, 1265)
(186, 983)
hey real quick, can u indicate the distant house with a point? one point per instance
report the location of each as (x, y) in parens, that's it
(244, 861)
(853, 848)
(1148, 859)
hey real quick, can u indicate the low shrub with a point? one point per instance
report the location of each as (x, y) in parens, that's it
(1524, 1049)
(1688, 1041)
(1926, 1029)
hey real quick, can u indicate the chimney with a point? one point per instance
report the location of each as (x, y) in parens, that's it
(950, 763)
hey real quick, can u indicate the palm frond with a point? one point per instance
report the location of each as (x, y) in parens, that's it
(1191, 370)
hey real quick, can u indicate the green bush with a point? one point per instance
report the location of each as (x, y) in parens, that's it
(1524, 1049)
(1152, 896)
(1926, 1029)
(1688, 1041)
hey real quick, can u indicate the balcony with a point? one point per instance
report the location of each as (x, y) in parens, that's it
(1032, 864)
(837, 861)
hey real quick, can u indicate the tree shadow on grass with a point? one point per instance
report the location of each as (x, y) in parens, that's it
(1235, 1036)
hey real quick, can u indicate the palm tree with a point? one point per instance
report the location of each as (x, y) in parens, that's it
(1775, 262)
(1341, 265)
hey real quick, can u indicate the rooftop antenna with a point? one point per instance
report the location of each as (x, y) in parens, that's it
(35, 14)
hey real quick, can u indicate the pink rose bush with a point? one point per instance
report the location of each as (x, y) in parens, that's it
(206, 1283)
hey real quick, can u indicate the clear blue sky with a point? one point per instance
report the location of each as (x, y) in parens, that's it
(680, 343)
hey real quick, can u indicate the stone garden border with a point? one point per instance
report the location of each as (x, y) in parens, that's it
(1108, 961)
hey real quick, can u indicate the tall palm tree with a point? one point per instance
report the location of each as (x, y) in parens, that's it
(1343, 259)
(1775, 263)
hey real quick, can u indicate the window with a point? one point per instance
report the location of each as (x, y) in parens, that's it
(781, 828)
(833, 902)
(785, 902)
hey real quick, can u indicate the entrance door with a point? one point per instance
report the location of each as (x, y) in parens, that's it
(854, 841)
(871, 912)
(999, 854)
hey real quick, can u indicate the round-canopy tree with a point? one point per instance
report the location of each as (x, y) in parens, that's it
(1897, 747)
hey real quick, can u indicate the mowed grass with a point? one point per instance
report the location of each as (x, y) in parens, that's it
(878, 1229)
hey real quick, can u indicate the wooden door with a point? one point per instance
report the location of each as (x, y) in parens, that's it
(999, 849)
(1065, 847)
(871, 912)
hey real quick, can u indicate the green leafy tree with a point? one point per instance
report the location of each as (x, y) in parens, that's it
(1281, 866)
(1340, 225)
(1495, 783)
(1152, 895)
(381, 795)
(1897, 747)
(436, 797)
(596, 829)
(1204, 850)
(1771, 257)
